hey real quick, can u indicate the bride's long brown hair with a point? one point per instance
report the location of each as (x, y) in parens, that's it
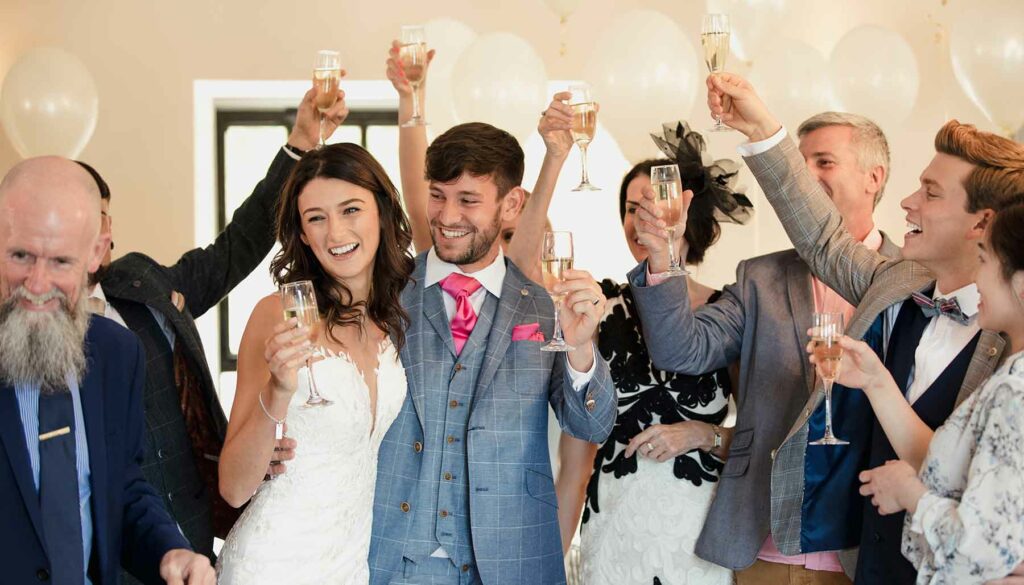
(392, 263)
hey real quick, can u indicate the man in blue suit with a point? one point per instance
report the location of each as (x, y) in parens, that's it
(74, 504)
(464, 489)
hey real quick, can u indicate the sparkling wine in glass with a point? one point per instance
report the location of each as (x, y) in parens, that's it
(668, 194)
(414, 62)
(299, 302)
(826, 331)
(714, 39)
(326, 78)
(556, 258)
(584, 124)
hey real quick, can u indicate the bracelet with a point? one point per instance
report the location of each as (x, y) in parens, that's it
(278, 424)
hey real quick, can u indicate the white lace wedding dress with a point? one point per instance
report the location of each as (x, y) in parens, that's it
(311, 525)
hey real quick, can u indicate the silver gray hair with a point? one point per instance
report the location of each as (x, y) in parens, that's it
(869, 140)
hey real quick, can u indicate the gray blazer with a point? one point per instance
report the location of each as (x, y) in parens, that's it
(865, 278)
(770, 300)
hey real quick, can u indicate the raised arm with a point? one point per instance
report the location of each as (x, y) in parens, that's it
(412, 148)
(554, 128)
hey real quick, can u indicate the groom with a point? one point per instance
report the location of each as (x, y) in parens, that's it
(464, 488)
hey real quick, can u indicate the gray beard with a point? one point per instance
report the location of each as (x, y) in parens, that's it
(42, 349)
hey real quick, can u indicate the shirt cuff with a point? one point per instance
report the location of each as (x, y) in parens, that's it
(290, 153)
(755, 148)
(926, 503)
(655, 279)
(580, 379)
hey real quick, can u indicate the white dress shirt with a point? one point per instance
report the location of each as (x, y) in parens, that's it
(111, 313)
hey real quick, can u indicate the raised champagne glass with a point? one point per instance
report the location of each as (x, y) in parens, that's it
(556, 258)
(714, 39)
(414, 62)
(299, 302)
(826, 331)
(584, 124)
(326, 78)
(668, 194)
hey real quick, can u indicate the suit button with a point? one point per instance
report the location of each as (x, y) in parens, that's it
(159, 453)
(450, 439)
(447, 476)
(136, 283)
(458, 367)
(454, 404)
(772, 455)
(405, 506)
(443, 513)
(992, 351)
(590, 404)
(417, 446)
(43, 575)
(170, 497)
(465, 568)
(877, 537)
(524, 292)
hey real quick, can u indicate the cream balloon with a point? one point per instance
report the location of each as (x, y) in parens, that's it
(755, 24)
(563, 8)
(792, 78)
(48, 104)
(500, 79)
(874, 73)
(987, 48)
(449, 38)
(643, 73)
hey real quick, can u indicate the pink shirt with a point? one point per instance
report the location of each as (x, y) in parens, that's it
(825, 300)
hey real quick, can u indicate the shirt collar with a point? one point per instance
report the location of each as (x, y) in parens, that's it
(491, 277)
(873, 241)
(966, 296)
(97, 293)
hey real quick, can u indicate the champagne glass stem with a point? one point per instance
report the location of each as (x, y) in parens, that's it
(583, 159)
(415, 105)
(557, 336)
(322, 141)
(673, 262)
(314, 394)
(828, 410)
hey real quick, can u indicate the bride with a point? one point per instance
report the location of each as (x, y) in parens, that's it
(340, 226)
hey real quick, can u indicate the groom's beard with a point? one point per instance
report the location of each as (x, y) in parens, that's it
(42, 348)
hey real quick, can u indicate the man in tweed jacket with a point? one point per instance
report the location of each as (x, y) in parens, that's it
(464, 484)
(947, 217)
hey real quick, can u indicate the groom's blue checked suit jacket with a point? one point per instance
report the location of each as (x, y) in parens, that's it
(465, 466)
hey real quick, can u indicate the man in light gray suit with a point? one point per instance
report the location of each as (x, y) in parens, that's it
(464, 485)
(937, 357)
(773, 299)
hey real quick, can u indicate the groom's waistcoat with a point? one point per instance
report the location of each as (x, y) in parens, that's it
(441, 518)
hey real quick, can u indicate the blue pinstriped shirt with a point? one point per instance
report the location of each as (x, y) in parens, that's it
(28, 407)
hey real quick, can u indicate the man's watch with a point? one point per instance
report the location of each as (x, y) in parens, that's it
(718, 437)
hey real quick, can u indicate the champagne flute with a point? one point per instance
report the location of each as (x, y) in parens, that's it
(299, 302)
(714, 38)
(414, 62)
(828, 354)
(668, 194)
(556, 258)
(584, 124)
(326, 78)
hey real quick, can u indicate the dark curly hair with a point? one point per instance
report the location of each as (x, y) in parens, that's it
(702, 228)
(392, 263)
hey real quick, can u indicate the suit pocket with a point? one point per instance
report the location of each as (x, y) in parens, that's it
(741, 441)
(736, 465)
(541, 487)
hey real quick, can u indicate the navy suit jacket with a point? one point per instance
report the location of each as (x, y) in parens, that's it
(130, 524)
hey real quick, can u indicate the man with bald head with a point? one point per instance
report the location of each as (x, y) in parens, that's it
(72, 498)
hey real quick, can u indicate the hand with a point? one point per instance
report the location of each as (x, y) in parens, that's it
(184, 567)
(555, 125)
(733, 99)
(893, 487)
(396, 72)
(651, 232)
(664, 442)
(860, 368)
(284, 450)
(579, 316)
(305, 134)
(286, 351)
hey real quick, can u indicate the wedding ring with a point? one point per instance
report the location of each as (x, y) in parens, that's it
(596, 301)
(650, 447)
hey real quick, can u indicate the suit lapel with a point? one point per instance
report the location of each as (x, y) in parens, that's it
(12, 437)
(513, 291)
(986, 357)
(91, 394)
(433, 311)
(801, 304)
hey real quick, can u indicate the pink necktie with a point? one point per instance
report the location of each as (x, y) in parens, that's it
(460, 287)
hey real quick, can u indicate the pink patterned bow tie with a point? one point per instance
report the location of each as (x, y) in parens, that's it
(940, 306)
(460, 287)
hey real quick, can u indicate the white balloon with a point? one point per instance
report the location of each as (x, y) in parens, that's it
(755, 24)
(449, 38)
(563, 8)
(500, 79)
(643, 73)
(48, 104)
(987, 48)
(792, 78)
(874, 73)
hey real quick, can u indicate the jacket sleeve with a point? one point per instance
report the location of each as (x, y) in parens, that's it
(207, 275)
(147, 530)
(569, 404)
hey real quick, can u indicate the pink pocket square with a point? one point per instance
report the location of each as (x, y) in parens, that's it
(527, 332)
